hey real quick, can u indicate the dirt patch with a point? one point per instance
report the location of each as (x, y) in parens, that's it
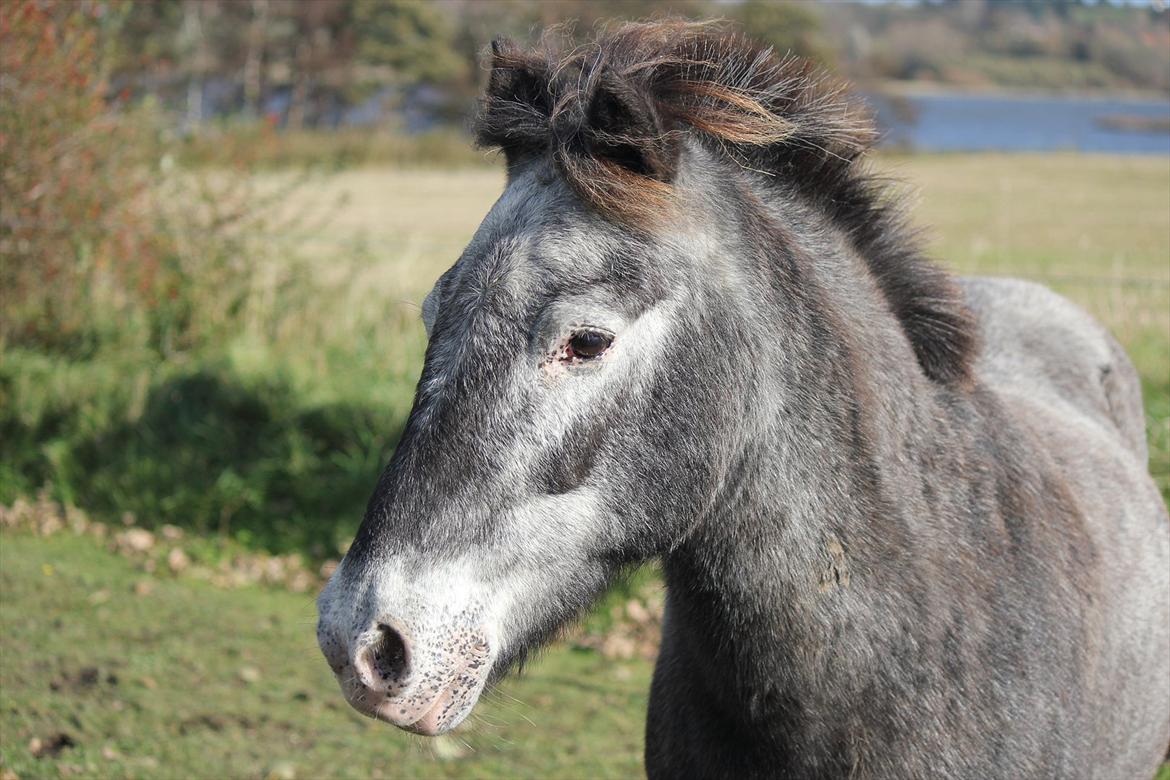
(215, 722)
(83, 679)
(51, 746)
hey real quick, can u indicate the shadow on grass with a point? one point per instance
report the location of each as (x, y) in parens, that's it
(212, 453)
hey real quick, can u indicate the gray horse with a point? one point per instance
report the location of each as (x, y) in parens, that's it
(905, 520)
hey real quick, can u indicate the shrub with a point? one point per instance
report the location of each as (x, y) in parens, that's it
(105, 240)
(123, 281)
(72, 176)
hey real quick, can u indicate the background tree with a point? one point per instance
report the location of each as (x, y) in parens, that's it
(308, 62)
(409, 45)
(786, 27)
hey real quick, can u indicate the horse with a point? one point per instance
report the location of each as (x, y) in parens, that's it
(904, 519)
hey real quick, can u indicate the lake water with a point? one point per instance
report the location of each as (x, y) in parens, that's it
(985, 122)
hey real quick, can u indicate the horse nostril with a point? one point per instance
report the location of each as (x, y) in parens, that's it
(391, 656)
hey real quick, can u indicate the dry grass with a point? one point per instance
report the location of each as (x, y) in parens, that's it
(1073, 217)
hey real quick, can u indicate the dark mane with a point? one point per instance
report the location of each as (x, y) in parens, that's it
(613, 112)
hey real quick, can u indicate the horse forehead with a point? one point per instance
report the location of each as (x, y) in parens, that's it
(532, 198)
(536, 231)
(501, 271)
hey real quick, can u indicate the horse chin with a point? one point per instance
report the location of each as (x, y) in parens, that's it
(450, 708)
(431, 702)
(430, 716)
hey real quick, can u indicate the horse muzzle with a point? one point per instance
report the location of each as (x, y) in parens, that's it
(420, 666)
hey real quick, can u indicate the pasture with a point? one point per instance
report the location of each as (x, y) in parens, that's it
(271, 440)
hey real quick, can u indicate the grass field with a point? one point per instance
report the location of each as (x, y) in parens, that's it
(187, 680)
(274, 437)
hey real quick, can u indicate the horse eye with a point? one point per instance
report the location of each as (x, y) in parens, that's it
(588, 344)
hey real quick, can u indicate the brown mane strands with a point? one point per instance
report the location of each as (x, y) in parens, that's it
(628, 95)
(612, 114)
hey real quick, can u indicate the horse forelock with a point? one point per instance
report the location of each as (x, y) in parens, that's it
(613, 114)
(616, 108)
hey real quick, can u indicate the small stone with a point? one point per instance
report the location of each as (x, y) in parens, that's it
(172, 533)
(617, 646)
(637, 611)
(77, 520)
(448, 749)
(249, 674)
(137, 540)
(284, 770)
(49, 525)
(274, 569)
(177, 560)
(300, 582)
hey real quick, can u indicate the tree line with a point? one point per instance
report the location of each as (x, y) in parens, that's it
(321, 63)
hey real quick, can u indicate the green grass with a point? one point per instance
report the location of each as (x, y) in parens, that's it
(191, 681)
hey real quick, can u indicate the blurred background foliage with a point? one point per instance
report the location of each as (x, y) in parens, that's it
(395, 63)
(330, 62)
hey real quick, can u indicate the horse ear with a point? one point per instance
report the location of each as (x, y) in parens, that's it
(514, 75)
(516, 103)
(624, 126)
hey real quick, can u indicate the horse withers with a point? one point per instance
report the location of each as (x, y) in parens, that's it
(905, 520)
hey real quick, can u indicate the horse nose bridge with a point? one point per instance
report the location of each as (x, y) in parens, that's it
(404, 516)
(450, 461)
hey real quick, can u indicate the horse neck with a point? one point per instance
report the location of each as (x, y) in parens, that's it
(828, 475)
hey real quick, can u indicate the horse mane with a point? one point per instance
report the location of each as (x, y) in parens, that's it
(613, 114)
